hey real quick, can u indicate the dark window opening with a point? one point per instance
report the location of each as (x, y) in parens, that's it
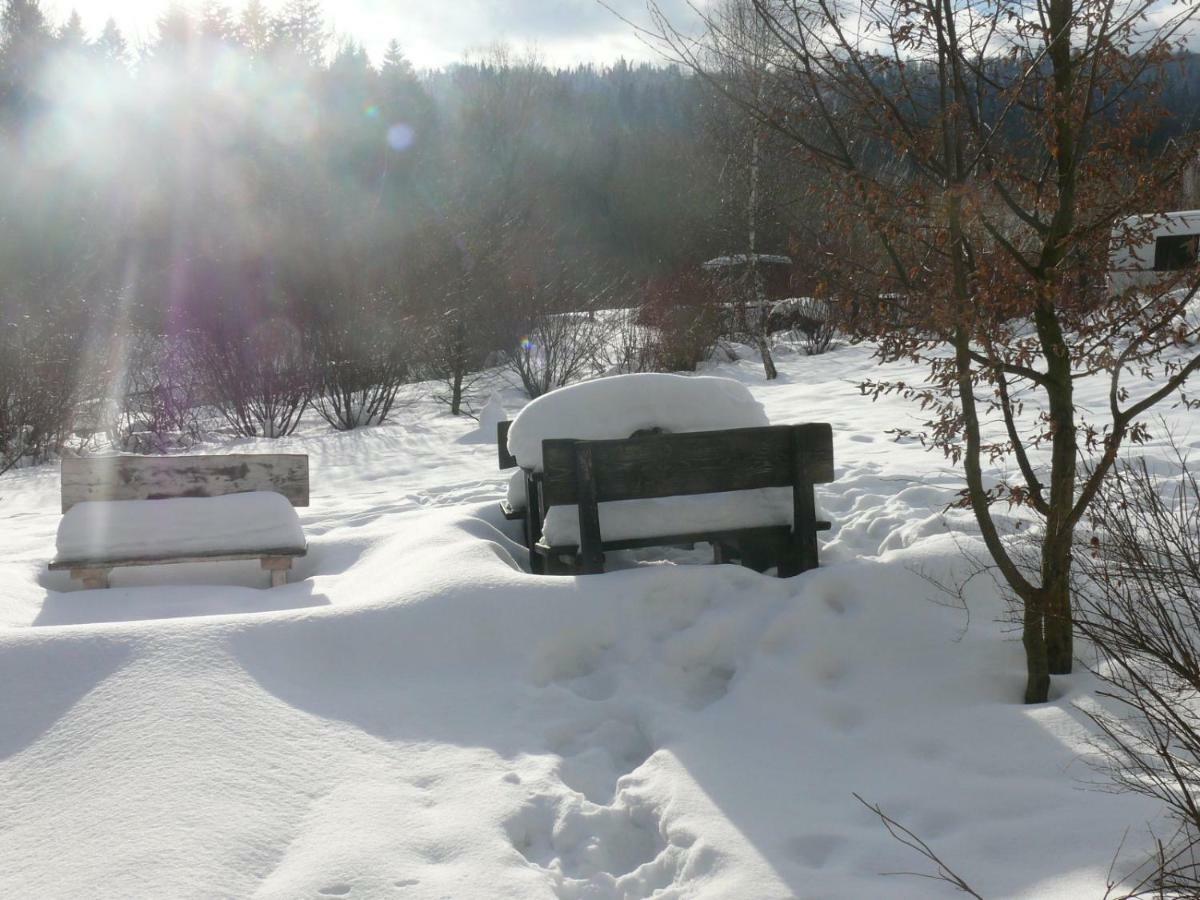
(1176, 251)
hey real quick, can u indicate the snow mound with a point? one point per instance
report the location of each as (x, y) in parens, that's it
(518, 497)
(613, 408)
(182, 526)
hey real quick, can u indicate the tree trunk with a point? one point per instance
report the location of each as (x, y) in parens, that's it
(1059, 535)
(1060, 653)
(760, 300)
(1037, 669)
(456, 391)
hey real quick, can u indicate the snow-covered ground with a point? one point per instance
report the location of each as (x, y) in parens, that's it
(416, 716)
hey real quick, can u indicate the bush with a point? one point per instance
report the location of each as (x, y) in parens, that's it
(159, 405)
(555, 348)
(626, 345)
(262, 382)
(364, 360)
(38, 390)
(1140, 608)
(809, 321)
(685, 322)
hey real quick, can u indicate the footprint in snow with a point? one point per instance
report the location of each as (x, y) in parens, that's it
(335, 890)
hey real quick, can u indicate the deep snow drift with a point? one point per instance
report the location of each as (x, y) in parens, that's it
(416, 716)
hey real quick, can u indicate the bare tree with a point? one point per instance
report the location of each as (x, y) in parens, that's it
(741, 47)
(993, 154)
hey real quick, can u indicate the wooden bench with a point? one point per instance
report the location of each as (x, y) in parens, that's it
(103, 480)
(588, 473)
(529, 514)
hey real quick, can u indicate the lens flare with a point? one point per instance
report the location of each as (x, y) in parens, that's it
(400, 137)
(371, 112)
(527, 345)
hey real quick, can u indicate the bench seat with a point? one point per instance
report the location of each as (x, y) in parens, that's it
(99, 535)
(623, 520)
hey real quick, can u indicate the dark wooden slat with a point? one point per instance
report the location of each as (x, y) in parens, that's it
(591, 555)
(507, 460)
(676, 540)
(669, 465)
(165, 477)
(534, 516)
(804, 509)
(671, 540)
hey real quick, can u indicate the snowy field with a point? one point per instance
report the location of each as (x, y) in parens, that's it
(415, 716)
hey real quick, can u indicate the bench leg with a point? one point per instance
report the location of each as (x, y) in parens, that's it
(555, 565)
(278, 566)
(92, 579)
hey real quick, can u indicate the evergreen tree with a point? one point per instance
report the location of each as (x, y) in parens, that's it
(302, 26)
(395, 63)
(111, 45)
(254, 31)
(24, 40)
(216, 23)
(71, 34)
(175, 28)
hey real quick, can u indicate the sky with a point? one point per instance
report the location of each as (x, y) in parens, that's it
(434, 33)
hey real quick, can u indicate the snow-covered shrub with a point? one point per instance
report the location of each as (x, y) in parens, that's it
(364, 359)
(260, 382)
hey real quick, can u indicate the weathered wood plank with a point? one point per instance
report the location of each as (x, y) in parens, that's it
(163, 477)
(507, 460)
(170, 560)
(278, 566)
(92, 579)
(707, 462)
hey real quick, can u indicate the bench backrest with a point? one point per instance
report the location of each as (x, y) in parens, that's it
(164, 477)
(702, 462)
(507, 460)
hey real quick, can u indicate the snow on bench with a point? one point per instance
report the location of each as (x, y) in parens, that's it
(647, 518)
(140, 511)
(619, 406)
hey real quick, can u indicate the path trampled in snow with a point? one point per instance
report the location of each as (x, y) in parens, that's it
(416, 716)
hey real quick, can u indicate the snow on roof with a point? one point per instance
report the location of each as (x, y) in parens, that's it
(741, 259)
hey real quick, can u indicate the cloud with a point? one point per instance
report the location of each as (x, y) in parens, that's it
(434, 34)
(563, 31)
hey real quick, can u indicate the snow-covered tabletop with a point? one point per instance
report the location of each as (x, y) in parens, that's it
(614, 408)
(183, 526)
